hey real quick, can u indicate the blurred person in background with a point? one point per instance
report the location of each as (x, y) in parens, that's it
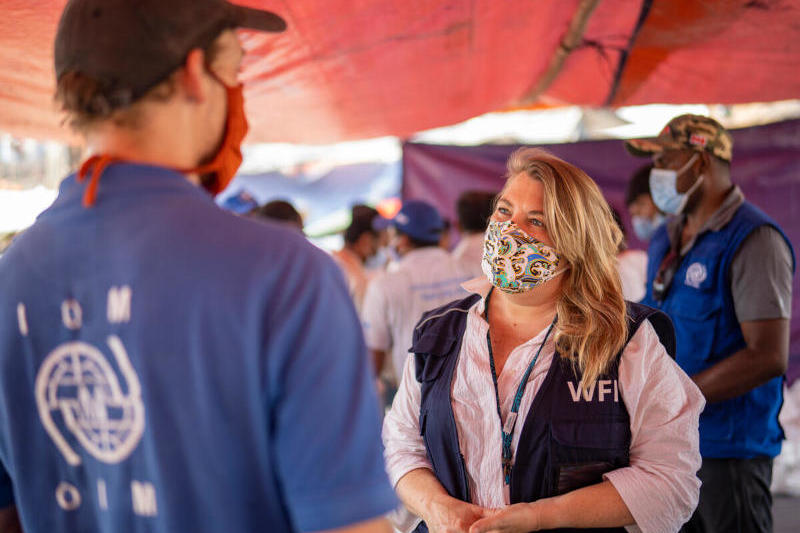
(385, 259)
(474, 209)
(646, 217)
(447, 237)
(722, 270)
(240, 203)
(360, 244)
(280, 211)
(164, 362)
(425, 276)
(632, 265)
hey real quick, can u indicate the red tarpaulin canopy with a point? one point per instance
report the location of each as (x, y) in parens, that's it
(349, 69)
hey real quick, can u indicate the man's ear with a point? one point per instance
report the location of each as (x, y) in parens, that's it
(192, 76)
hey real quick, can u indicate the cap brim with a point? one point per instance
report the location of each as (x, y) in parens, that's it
(643, 147)
(257, 19)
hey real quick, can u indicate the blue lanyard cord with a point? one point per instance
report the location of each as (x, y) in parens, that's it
(507, 429)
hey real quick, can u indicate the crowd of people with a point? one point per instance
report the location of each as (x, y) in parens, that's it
(170, 366)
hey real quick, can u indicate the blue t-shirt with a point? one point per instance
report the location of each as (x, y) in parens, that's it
(167, 366)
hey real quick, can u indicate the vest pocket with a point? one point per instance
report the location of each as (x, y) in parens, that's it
(582, 451)
(575, 476)
(430, 353)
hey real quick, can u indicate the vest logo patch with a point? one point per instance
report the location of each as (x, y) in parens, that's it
(696, 274)
(77, 382)
(607, 389)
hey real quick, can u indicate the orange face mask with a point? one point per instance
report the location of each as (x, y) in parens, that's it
(229, 157)
(222, 168)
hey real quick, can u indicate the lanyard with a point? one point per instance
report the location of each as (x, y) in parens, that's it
(507, 429)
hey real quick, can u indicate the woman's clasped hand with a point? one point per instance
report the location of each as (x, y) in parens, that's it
(449, 515)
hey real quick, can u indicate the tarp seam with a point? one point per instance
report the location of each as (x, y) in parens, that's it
(623, 58)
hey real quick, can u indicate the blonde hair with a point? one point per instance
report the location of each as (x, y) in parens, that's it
(592, 322)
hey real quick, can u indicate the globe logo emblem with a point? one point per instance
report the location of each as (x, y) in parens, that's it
(696, 274)
(78, 390)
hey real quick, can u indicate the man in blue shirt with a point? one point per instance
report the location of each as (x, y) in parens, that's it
(722, 270)
(165, 365)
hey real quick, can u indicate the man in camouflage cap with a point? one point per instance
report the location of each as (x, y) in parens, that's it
(722, 269)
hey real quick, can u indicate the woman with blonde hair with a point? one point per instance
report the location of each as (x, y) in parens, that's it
(544, 400)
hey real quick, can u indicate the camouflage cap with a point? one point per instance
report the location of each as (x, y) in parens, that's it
(692, 132)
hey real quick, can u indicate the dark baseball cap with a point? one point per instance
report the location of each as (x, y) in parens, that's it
(130, 46)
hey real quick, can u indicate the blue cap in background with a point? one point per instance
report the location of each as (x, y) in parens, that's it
(240, 203)
(419, 220)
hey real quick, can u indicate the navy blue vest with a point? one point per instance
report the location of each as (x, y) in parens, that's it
(566, 441)
(700, 304)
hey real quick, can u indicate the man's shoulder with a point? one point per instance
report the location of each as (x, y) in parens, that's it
(195, 234)
(241, 238)
(749, 216)
(763, 242)
(753, 228)
(752, 212)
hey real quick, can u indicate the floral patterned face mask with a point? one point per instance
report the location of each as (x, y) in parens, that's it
(514, 261)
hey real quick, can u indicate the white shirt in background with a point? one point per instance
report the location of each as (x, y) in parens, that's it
(632, 265)
(659, 487)
(423, 279)
(469, 253)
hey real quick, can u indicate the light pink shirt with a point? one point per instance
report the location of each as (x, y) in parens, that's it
(659, 487)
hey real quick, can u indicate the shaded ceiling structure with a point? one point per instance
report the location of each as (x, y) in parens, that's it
(354, 69)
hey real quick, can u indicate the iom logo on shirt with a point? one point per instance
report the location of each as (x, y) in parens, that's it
(82, 398)
(78, 390)
(696, 274)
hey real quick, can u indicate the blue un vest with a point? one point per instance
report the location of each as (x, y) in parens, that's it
(564, 444)
(700, 304)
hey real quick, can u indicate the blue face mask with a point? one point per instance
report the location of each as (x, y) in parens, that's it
(663, 188)
(644, 227)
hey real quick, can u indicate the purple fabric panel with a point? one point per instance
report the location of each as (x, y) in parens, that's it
(766, 166)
